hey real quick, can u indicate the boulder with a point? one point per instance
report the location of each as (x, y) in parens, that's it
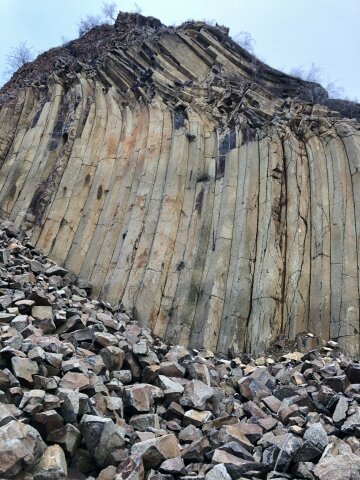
(20, 446)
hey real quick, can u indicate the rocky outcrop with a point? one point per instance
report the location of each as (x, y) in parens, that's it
(189, 181)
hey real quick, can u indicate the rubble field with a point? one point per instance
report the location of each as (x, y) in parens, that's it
(87, 393)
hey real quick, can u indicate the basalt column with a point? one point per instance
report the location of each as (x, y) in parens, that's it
(208, 193)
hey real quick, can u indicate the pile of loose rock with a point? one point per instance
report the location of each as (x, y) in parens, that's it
(86, 393)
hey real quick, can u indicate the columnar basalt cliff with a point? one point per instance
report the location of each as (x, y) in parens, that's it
(209, 193)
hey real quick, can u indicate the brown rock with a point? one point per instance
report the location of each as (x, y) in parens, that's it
(107, 473)
(72, 381)
(252, 431)
(105, 339)
(24, 369)
(267, 423)
(8, 413)
(155, 451)
(230, 433)
(108, 320)
(171, 369)
(288, 411)
(272, 403)
(173, 466)
(252, 410)
(251, 389)
(298, 378)
(141, 397)
(221, 456)
(196, 417)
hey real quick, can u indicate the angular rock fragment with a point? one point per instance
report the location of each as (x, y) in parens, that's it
(173, 466)
(24, 369)
(42, 312)
(56, 270)
(51, 465)
(141, 397)
(132, 469)
(196, 451)
(46, 422)
(234, 448)
(230, 433)
(113, 357)
(282, 450)
(20, 446)
(145, 421)
(352, 372)
(70, 403)
(171, 369)
(272, 403)
(73, 381)
(196, 394)
(190, 434)
(222, 456)
(352, 422)
(251, 389)
(317, 435)
(67, 436)
(196, 417)
(218, 472)
(335, 467)
(340, 410)
(155, 451)
(101, 436)
(286, 412)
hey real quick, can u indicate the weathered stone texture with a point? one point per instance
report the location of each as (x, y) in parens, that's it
(190, 183)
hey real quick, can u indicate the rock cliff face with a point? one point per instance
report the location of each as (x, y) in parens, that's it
(186, 179)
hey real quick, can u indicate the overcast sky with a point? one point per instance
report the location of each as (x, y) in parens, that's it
(288, 33)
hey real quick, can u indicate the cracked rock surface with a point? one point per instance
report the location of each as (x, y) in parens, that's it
(215, 197)
(86, 393)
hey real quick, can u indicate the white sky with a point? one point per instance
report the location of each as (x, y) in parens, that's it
(288, 33)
